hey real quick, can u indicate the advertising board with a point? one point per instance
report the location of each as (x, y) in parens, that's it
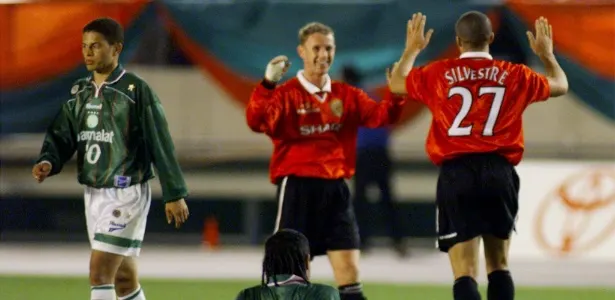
(566, 210)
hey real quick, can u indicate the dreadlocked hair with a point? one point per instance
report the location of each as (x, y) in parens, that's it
(286, 253)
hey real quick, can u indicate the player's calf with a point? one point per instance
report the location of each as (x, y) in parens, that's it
(345, 265)
(127, 282)
(501, 285)
(464, 262)
(103, 267)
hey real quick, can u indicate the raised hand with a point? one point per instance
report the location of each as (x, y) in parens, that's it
(276, 68)
(542, 41)
(416, 39)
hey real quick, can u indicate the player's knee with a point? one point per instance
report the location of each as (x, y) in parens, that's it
(495, 262)
(126, 281)
(465, 268)
(496, 254)
(103, 267)
(125, 286)
(100, 276)
(464, 259)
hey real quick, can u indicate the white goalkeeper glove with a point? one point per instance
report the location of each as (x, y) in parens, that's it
(276, 68)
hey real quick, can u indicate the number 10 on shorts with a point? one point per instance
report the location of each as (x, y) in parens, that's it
(92, 153)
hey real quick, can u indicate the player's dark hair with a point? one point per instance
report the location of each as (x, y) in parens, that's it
(351, 75)
(286, 253)
(109, 28)
(474, 29)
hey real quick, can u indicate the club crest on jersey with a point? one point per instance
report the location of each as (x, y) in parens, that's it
(337, 107)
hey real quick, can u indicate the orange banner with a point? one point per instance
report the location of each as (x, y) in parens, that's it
(583, 31)
(44, 39)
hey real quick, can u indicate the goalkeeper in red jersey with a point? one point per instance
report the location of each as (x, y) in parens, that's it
(313, 124)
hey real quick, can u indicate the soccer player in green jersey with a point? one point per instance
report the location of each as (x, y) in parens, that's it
(116, 124)
(286, 271)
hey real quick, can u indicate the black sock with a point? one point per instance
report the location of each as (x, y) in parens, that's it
(352, 291)
(466, 288)
(501, 286)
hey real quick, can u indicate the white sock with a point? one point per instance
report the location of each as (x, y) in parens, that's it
(138, 294)
(102, 292)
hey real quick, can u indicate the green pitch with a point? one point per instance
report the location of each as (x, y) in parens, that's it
(72, 288)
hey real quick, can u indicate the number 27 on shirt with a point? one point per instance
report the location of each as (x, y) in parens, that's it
(467, 99)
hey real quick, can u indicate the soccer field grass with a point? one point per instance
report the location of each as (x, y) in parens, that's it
(76, 288)
(41, 271)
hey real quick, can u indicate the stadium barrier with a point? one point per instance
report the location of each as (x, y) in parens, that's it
(567, 211)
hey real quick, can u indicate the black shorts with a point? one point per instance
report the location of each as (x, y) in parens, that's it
(321, 209)
(477, 194)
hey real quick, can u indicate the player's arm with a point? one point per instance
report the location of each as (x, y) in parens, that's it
(558, 81)
(265, 108)
(542, 44)
(59, 145)
(160, 145)
(416, 40)
(374, 114)
(401, 69)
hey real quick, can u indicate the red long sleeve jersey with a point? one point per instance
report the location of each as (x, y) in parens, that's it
(476, 104)
(314, 134)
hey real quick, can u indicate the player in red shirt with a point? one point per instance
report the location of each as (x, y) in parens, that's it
(313, 124)
(476, 137)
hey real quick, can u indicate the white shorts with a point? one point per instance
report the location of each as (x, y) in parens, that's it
(116, 218)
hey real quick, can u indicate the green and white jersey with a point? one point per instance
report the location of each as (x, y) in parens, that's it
(290, 287)
(118, 130)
